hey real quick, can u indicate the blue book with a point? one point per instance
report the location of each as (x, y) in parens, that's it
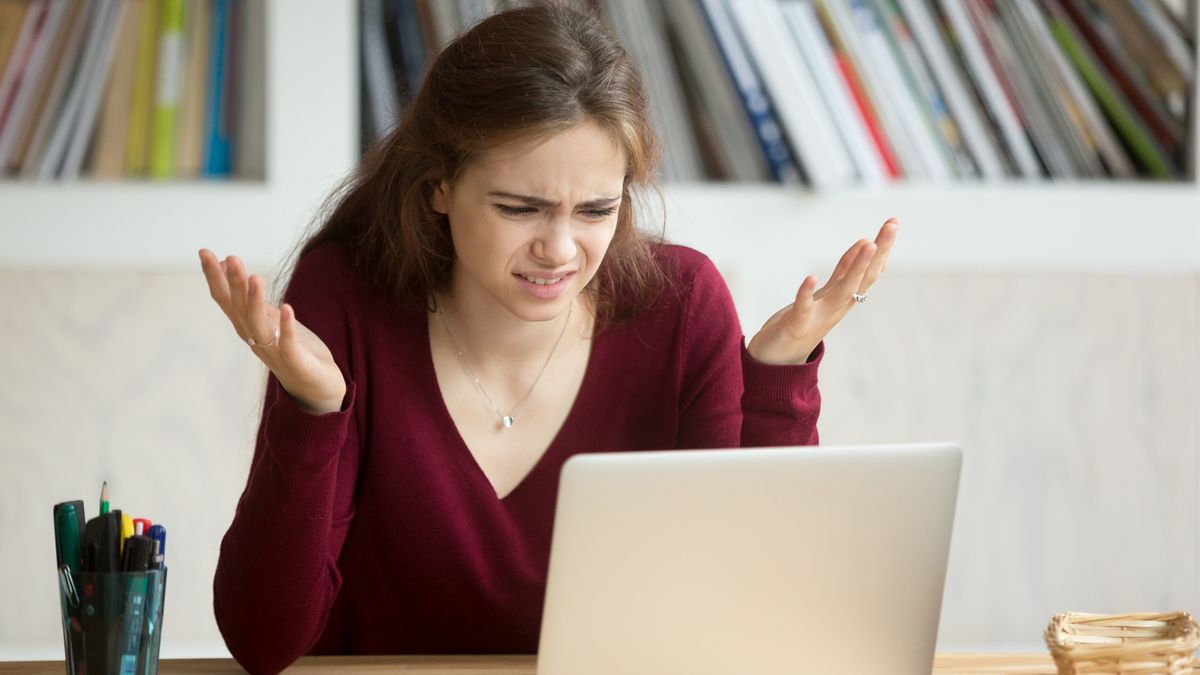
(410, 43)
(219, 120)
(754, 98)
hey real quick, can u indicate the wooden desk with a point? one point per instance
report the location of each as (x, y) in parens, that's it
(944, 664)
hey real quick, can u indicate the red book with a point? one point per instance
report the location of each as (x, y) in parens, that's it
(846, 68)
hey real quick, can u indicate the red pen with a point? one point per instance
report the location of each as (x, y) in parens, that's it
(141, 525)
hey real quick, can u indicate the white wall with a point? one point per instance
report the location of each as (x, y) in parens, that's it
(1051, 330)
(1074, 395)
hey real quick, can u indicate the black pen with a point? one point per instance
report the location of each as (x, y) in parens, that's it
(135, 564)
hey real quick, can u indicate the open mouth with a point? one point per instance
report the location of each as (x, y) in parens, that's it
(541, 281)
(545, 288)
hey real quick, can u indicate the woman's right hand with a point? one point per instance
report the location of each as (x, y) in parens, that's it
(299, 359)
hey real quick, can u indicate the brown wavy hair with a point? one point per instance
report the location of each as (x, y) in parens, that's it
(517, 75)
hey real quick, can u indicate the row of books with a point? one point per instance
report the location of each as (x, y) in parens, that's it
(838, 93)
(132, 89)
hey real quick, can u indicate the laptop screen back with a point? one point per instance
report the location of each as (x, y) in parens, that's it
(779, 560)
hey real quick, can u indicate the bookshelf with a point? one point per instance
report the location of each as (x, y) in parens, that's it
(312, 141)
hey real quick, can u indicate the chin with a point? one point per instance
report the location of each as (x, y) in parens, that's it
(540, 310)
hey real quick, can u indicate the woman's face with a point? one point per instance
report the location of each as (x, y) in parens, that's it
(531, 223)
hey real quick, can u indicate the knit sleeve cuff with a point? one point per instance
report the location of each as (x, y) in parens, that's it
(307, 441)
(779, 386)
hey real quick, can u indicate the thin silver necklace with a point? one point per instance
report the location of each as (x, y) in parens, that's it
(506, 421)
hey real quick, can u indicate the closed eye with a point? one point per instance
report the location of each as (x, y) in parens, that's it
(515, 210)
(526, 210)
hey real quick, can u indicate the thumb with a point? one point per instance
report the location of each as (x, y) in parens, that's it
(803, 305)
(806, 290)
(289, 343)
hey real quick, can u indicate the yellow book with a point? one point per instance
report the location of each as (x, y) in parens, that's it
(168, 91)
(137, 147)
(12, 15)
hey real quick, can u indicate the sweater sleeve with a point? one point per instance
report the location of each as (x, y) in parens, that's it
(277, 573)
(729, 399)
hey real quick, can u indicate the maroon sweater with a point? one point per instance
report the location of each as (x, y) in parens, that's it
(373, 530)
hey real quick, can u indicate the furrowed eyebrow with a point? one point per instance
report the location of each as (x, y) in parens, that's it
(538, 201)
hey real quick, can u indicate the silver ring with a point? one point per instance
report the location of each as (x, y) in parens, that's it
(860, 297)
(254, 343)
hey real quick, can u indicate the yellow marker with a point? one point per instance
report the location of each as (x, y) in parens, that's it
(126, 531)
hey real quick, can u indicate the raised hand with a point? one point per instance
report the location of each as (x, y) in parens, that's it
(792, 333)
(299, 359)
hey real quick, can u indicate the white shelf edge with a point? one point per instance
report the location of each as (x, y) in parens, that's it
(1084, 226)
(1052, 226)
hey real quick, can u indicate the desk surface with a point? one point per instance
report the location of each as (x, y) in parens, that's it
(944, 664)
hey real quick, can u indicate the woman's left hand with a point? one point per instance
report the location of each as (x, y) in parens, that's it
(791, 335)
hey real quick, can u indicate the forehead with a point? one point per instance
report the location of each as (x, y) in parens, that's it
(584, 157)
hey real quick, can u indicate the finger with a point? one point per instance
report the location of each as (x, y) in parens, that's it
(289, 343)
(806, 290)
(883, 242)
(261, 327)
(237, 295)
(218, 285)
(844, 264)
(802, 307)
(853, 279)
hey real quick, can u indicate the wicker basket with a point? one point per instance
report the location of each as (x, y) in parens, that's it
(1148, 644)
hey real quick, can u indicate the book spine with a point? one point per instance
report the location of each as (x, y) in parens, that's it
(899, 92)
(216, 160)
(1135, 134)
(806, 120)
(817, 51)
(65, 127)
(716, 93)
(1095, 126)
(18, 61)
(925, 92)
(93, 86)
(866, 110)
(137, 158)
(169, 90)
(35, 76)
(754, 99)
(962, 108)
(190, 126)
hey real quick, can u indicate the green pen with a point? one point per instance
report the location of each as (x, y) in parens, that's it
(67, 537)
(104, 498)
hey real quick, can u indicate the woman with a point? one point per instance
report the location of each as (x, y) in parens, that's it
(479, 306)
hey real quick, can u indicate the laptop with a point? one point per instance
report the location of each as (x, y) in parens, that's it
(772, 560)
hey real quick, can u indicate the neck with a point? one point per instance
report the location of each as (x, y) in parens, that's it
(492, 337)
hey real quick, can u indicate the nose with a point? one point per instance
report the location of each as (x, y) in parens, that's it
(554, 244)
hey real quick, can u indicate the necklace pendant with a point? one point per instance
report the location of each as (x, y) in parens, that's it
(507, 420)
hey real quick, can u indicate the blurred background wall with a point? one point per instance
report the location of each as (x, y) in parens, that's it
(1050, 328)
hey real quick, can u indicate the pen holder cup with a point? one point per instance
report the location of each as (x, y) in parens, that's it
(112, 623)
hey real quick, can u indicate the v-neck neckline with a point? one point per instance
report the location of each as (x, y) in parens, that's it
(461, 444)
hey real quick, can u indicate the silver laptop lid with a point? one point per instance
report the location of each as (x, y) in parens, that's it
(778, 560)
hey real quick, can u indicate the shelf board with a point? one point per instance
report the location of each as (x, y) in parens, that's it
(149, 225)
(1080, 226)
(1076, 226)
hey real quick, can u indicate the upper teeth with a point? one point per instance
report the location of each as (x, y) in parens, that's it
(541, 282)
